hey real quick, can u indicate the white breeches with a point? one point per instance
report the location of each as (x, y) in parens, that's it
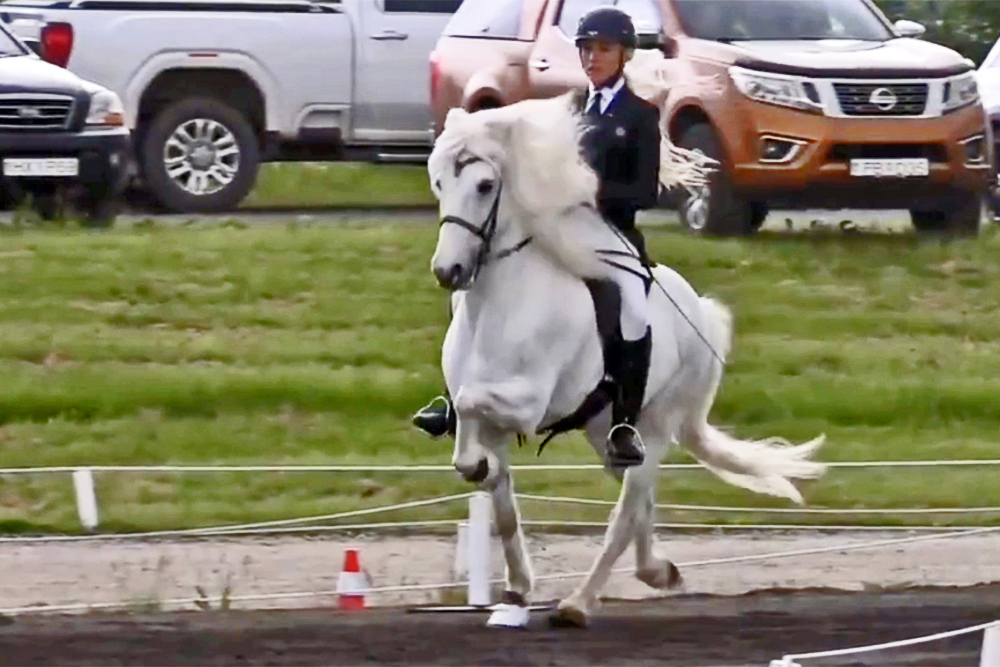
(611, 247)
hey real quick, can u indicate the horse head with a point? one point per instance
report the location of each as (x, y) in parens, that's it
(507, 172)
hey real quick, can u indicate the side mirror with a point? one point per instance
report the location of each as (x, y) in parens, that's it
(906, 28)
(657, 41)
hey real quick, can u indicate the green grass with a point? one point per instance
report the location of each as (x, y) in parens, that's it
(340, 184)
(310, 345)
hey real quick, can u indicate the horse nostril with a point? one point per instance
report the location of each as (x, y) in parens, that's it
(480, 473)
(450, 276)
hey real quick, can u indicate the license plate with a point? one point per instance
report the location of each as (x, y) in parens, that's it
(890, 168)
(44, 166)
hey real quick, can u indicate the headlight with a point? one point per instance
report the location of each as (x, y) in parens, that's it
(960, 91)
(106, 109)
(783, 91)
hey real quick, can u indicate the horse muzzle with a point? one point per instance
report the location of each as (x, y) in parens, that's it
(452, 277)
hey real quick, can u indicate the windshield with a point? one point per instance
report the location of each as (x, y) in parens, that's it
(732, 20)
(9, 47)
(499, 19)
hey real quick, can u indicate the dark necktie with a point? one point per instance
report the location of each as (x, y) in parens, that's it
(595, 106)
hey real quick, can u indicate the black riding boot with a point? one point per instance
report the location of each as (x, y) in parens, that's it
(436, 420)
(625, 447)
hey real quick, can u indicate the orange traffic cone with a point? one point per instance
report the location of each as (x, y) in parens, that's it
(351, 583)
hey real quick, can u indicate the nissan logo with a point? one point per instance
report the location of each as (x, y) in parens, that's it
(883, 98)
(29, 112)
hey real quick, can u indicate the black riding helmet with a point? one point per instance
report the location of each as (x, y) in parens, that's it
(608, 23)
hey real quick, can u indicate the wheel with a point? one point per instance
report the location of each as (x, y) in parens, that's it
(960, 215)
(716, 209)
(199, 155)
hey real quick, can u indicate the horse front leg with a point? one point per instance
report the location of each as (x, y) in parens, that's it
(574, 611)
(512, 612)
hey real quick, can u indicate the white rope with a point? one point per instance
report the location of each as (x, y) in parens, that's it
(226, 530)
(796, 552)
(895, 644)
(448, 468)
(430, 523)
(779, 510)
(461, 584)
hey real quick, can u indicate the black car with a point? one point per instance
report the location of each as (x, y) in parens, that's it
(62, 139)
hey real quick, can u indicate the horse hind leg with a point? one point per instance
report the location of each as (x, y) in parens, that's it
(574, 611)
(655, 572)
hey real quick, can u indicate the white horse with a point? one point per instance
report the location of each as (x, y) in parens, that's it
(514, 197)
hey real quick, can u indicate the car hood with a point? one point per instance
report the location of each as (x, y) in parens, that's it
(28, 74)
(851, 58)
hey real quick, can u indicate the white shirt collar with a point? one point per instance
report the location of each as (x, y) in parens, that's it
(607, 94)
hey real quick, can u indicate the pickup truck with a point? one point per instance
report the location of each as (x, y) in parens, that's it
(213, 88)
(804, 103)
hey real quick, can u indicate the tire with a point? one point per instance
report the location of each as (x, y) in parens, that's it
(960, 215)
(718, 211)
(215, 127)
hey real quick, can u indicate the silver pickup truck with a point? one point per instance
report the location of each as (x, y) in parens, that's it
(212, 88)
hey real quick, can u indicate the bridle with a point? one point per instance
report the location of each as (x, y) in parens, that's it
(485, 234)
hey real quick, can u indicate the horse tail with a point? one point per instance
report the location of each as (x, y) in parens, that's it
(763, 466)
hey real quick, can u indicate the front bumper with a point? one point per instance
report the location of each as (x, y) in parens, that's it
(820, 175)
(103, 155)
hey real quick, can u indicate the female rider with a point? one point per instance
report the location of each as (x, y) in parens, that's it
(623, 148)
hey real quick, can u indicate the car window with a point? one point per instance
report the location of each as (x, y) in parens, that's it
(645, 14)
(732, 20)
(8, 45)
(421, 6)
(498, 19)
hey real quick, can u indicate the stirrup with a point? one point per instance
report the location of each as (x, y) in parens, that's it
(638, 436)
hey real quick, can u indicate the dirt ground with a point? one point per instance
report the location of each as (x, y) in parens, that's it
(143, 573)
(691, 631)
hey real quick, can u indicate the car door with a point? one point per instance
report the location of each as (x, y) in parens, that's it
(394, 41)
(554, 66)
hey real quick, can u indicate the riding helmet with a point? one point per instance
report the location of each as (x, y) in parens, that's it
(608, 23)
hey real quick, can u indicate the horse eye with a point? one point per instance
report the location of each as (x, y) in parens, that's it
(437, 184)
(485, 187)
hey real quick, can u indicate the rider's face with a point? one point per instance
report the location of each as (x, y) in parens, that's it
(601, 60)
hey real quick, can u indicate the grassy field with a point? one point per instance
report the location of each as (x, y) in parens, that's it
(315, 344)
(340, 184)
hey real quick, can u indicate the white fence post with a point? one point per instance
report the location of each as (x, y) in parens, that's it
(460, 569)
(86, 499)
(991, 647)
(479, 549)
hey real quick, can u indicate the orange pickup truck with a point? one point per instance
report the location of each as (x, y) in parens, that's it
(818, 103)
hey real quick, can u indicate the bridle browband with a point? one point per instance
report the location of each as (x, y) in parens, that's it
(485, 234)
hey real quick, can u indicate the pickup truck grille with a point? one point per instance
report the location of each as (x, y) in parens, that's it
(882, 99)
(35, 112)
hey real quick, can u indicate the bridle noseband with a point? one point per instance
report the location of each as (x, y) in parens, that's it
(485, 233)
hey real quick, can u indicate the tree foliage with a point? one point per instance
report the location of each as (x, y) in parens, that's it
(968, 26)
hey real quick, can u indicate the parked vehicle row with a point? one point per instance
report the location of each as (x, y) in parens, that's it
(213, 88)
(822, 103)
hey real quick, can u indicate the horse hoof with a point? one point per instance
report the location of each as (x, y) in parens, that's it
(568, 617)
(665, 577)
(508, 616)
